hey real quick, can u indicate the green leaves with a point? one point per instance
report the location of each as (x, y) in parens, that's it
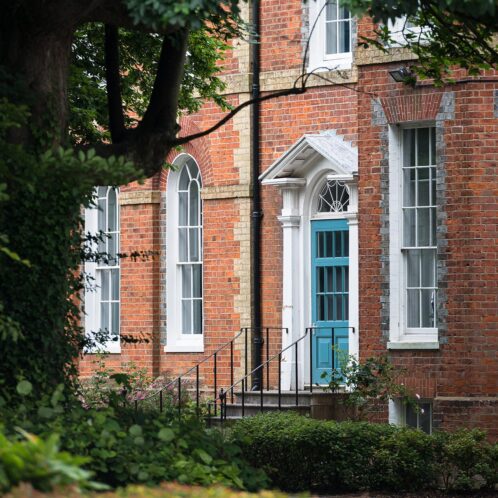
(24, 388)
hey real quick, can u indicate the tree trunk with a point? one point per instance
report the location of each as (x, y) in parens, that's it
(38, 58)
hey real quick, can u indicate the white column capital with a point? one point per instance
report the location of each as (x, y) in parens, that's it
(291, 221)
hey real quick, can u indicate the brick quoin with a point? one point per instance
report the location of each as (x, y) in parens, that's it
(461, 377)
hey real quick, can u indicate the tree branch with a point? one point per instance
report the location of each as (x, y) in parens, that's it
(114, 101)
(162, 110)
(282, 93)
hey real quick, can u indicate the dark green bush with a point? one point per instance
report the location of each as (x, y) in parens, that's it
(299, 453)
(124, 446)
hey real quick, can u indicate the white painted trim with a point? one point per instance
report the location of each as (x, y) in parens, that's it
(299, 204)
(92, 297)
(398, 332)
(175, 340)
(402, 345)
(318, 60)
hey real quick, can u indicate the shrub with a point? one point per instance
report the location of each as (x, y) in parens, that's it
(41, 463)
(166, 490)
(299, 453)
(125, 446)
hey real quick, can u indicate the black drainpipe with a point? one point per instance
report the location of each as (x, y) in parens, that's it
(257, 213)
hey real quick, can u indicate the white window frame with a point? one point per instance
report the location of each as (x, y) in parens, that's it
(318, 59)
(176, 341)
(397, 414)
(93, 271)
(400, 336)
(398, 29)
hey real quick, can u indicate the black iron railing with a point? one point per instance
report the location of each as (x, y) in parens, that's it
(244, 382)
(178, 383)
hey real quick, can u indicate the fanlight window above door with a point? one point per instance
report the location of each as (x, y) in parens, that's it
(333, 197)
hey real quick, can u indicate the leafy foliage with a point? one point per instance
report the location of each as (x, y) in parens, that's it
(165, 490)
(139, 53)
(299, 453)
(123, 445)
(450, 33)
(40, 462)
(375, 378)
(40, 326)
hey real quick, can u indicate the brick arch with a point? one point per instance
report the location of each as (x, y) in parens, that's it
(198, 149)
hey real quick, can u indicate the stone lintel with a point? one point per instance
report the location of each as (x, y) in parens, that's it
(140, 197)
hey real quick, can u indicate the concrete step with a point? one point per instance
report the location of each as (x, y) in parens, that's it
(234, 411)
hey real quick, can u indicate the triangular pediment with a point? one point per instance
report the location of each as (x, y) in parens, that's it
(343, 157)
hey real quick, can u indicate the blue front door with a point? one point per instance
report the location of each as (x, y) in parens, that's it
(330, 295)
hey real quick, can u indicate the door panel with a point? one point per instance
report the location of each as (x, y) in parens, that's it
(330, 294)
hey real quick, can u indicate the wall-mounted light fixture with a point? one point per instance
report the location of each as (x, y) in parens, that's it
(401, 74)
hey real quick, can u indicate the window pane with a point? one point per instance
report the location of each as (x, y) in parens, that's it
(330, 308)
(423, 187)
(346, 243)
(186, 281)
(409, 177)
(427, 298)
(344, 36)
(328, 251)
(186, 316)
(424, 417)
(346, 306)
(337, 244)
(104, 285)
(112, 215)
(102, 192)
(184, 179)
(411, 416)
(320, 278)
(433, 188)
(115, 319)
(331, 38)
(409, 227)
(115, 285)
(433, 227)
(423, 146)
(197, 328)
(346, 279)
(338, 279)
(413, 268)
(320, 311)
(112, 248)
(182, 208)
(194, 244)
(424, 227)
(104, 316)
(194, 204)
(408, 147)
(428, 270)
(197, 280)
(194, 170)
(343, 12)
(331, 10)
(102, 215)
(182, 244)
(413, 308)
(433, 145)
(339, 313)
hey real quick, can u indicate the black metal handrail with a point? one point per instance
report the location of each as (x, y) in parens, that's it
(221, 399)
(177, 381)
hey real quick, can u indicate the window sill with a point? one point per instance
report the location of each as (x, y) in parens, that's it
(184, 348)
(407, 345)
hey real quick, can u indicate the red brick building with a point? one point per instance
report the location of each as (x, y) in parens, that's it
(379, 222)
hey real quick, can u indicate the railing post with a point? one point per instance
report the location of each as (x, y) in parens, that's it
(245, 352)
(161, 401)
(231, 368)
(197, 387)
(311, 331)
(215, 372)
(333, 347)
(243, 396)
(222, 396)
(136, 406)
(279, 381)
(297, 377)
(267, 358)
(261, 389)
(179, 396)
(209, 413)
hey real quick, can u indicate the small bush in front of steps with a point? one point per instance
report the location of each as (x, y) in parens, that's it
(299, 453)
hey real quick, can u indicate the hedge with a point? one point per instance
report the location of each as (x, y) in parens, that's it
(299, 453)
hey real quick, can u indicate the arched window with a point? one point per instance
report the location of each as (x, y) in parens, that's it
(333, 197)
(190, 247)
(103, 302)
